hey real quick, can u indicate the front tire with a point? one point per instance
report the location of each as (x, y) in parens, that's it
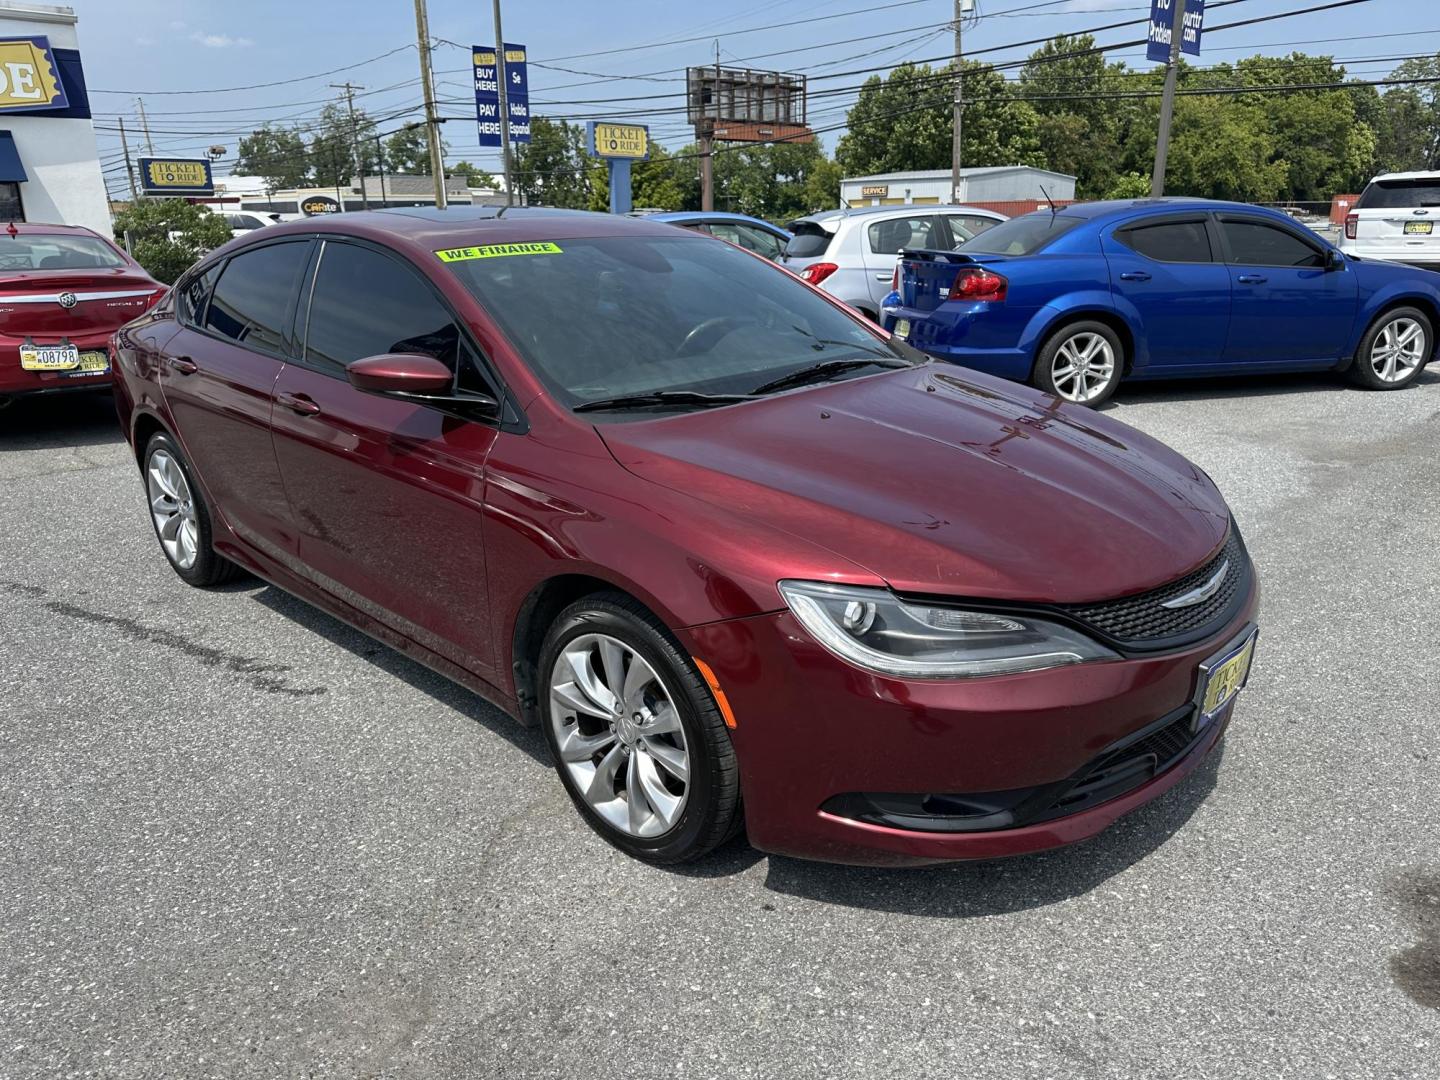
(1080, 363)
(180, 516)
(636, 735)
(1394, 350)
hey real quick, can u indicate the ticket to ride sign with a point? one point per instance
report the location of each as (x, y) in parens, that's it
(609, 140)
(176, 176)
(29, 78)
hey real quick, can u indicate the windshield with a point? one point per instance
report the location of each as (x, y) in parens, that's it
(1400, 194)
(616, 317)
(1021, 235)
(54, 251)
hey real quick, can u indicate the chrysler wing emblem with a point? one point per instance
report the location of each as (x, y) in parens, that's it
(1200, 593)
(68, 299)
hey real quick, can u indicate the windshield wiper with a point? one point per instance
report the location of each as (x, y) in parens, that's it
(825, 369)
(659, 398)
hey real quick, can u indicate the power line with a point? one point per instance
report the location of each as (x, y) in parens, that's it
(261, 86)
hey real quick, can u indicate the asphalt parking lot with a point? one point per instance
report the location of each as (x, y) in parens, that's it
(243, 840)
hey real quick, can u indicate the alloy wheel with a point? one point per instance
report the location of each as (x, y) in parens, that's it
(619, 735)
(173, 507)
(1398, 350)
(1083, 367)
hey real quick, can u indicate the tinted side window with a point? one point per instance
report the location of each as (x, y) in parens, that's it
(192, 293)
(1253, 243)
(1173, 241)
(748, 237)
(367, 304)
(888, 237)
(251, 302)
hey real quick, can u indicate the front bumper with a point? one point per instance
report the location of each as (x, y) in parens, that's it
(15, 380)
(811, 728)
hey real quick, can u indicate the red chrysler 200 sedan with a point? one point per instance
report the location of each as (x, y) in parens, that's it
(64, 291)
(744, 558)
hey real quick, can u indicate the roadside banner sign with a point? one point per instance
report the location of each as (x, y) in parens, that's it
(176, 176)
(618, 145)
(1162, 23)
(487, 93)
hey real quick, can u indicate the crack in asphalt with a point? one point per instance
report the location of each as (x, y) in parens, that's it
(261, 675)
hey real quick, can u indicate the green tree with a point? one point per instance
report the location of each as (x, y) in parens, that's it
(903, 122)
(168, 235)
(1413, 120)
(277, 154)
(1079, 128)
(1130, 185)
(408, 151)
(473, 174)
(334, 142)
(552, 169)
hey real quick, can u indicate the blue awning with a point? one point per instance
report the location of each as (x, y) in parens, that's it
(11, 168)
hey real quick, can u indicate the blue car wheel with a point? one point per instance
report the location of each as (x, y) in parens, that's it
(1081, 362)
(1394, 350)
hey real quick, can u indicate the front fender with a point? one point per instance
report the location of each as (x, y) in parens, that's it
(1411, 288)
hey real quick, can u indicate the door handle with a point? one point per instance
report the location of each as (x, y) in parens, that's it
(184, 365)
(885, 277)
(1135, 275)
(1252, 279)
(299, 403)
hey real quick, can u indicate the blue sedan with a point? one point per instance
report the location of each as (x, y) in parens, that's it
(1076, 300)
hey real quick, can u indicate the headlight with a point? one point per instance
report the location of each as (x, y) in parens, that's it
(874, 629)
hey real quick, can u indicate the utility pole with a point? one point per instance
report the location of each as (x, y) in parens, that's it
(959, 105)
(355, 139)
(501, 81)
(707, 142)
(1167, 102)
(145, 126)
(129, 170)
(432, 121)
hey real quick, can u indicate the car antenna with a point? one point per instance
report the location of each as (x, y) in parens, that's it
(1053, 208)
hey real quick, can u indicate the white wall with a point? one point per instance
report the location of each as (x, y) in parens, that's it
(60, 156)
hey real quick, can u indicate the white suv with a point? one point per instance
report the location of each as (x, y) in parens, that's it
(1397, 218)
(851, 254)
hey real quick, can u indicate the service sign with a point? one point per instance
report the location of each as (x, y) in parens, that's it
(486, 65)
(628, 141)
(176, 176)
(1162, 20)
(29, 78)
(872, 191)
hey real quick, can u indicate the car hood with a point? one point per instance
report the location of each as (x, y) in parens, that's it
(943, 483)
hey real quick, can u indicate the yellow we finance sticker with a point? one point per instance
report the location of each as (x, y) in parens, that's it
(495, 251)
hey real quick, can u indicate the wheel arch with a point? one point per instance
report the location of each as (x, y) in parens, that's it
(1382, 305)
(145, 427)
(1060, 319)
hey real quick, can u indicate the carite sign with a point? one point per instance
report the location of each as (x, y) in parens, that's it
(176, 176)
(29, 78)
(487, 93)
(1162, 20)
(316, 205)
(630, 141)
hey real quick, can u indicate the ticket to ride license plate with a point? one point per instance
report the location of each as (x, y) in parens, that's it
(1223, 677)
(91, 363)
(902, 328)
(1419, 228)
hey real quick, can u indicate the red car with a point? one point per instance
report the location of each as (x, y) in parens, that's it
(741, 556)
(64, 291)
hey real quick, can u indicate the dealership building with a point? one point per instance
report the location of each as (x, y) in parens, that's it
(993, 184)
(49, 162)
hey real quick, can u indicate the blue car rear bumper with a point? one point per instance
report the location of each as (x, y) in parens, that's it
(966, 334)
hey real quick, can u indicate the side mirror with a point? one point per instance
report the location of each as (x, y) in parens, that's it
(400, 373)
(1334, 259)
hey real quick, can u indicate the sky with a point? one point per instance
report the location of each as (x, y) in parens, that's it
(189, 59)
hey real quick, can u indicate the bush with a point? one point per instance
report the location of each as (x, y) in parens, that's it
(167, 235)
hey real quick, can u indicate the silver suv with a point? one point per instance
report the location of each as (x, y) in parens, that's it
(851, 254)
(1397, 218)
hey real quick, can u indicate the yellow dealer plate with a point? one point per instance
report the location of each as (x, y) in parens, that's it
(1222, 678)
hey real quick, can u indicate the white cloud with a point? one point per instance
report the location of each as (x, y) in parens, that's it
(144, 42)
(220, 41)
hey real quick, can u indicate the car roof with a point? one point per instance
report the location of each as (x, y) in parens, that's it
(466, 226)
(40, 228)
(1105, 209)
(903, 209)
(1422, 175)
(678, 216)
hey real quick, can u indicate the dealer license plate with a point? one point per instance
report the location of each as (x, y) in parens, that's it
(1419, 228)
(1222, 678)
(902, 328)
(49, 357)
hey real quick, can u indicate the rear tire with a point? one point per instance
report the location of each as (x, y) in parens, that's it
(1394, 350)
(625, 712)
(181, 517)
(1081, 363)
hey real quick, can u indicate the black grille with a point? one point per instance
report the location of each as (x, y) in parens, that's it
(1141, 620)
